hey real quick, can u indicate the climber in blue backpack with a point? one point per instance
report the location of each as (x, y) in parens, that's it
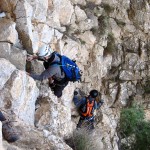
(59, 69)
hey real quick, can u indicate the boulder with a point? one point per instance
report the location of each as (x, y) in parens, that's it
(48, 116)
(6, 70)
(80, 14)
(23, 12)
(88, 38)
(65, 10)
(45, 33)
(8, 5)
(61, 13)
(19, 93)
(39, 10)
(8, 32)
(15, 55)
(127, 89)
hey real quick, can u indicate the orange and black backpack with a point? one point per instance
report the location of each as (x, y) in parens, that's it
(87, 110)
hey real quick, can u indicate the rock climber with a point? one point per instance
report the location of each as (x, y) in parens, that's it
(59, 70)
(86, 107)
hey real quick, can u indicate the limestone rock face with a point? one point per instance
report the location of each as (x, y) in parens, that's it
(140, 17)
(15, 55)
(65, 11)
(52, 113)
(6, 70)
(45, 33)
(81, 15)
(60, 14)
(83, 2)
(39, 9)
(8, 31)
(23, 12)
(18, 95)
(8, 5)
(97, 2)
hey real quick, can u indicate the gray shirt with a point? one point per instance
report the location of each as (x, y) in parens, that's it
(53, 71)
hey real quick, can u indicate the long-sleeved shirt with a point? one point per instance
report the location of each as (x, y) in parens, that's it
(53, 71)
(83, 101)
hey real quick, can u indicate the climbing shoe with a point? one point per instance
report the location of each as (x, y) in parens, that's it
(9, 133)
(2, 117)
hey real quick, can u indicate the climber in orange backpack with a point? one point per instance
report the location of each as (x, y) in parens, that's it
(86, 106)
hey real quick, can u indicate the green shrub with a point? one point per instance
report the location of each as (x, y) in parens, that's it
(111, 47)
(147, 87)
(103, 24)
(130, 118)
(120, 23)
(142, 136)
(82, 140)
(82, 42)
(108, 9)
(134, 129)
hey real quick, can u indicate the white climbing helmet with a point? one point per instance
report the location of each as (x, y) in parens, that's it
(44, 51)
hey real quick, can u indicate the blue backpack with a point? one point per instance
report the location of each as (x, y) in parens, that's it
(70, 68)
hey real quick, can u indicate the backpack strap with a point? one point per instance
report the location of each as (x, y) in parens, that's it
(89, 108)
(57, 63)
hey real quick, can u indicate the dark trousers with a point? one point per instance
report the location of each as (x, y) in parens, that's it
(58, 88)
(89, 121)
(2, 117)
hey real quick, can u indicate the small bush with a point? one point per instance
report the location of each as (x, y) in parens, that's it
(94, 30)
(82, 42)
(134, 130)
(103, 24)
(120, 23)
(111, 47)
(82, 140)
(143, 136)
(90, 5)
(130, 118)
(147, 87)
(108, 9)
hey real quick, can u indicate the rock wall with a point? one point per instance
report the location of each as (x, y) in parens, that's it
(111, 43)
